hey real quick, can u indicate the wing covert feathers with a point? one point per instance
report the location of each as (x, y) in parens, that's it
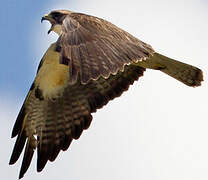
(96, 48)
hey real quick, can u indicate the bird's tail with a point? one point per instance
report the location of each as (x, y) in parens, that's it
(187, 74)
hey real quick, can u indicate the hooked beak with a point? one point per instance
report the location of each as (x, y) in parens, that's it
(46, 17)
(50, 19)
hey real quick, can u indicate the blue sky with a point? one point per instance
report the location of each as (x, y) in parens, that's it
(20, 21)
(157, 130)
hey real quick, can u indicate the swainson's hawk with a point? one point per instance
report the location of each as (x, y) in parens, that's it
(92, 62)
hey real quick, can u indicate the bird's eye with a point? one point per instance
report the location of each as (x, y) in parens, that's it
(56, 15)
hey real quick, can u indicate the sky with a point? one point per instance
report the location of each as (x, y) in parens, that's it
(155, 131)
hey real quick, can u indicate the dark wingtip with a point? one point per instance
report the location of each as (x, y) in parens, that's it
(41, 164)
(54, 153)
(21, 175)
(11, 162)
(13, 135)
(42, 159)
(18, 123)
(67, 142)
(29, 151)
(18, 147)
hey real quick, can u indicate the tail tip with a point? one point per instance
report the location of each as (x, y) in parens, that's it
(196, 79)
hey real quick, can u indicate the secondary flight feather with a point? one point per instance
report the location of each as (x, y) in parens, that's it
(92, 62)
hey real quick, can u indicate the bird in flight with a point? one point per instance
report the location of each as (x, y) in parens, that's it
(91, 63)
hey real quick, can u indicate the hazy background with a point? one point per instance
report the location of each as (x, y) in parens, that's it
(155, 131)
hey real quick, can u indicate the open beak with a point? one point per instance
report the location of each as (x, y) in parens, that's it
(43, 18)
(47, 17)
(50, 19)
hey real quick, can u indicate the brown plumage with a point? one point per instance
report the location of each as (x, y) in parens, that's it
(94, 47)
(92, 62)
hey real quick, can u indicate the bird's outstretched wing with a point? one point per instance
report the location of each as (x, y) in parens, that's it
(56, 112)
(93, 48)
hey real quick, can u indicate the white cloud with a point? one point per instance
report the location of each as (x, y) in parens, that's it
(158, 129)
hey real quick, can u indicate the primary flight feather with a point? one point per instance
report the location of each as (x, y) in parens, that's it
(92, 62)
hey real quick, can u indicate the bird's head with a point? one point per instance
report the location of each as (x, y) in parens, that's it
(56, 19)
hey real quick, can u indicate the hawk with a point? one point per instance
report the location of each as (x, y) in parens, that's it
(91, 63)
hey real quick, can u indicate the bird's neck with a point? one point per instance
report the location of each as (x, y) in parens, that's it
(57, 29)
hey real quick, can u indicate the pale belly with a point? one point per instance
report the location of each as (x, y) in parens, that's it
(52, 77)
